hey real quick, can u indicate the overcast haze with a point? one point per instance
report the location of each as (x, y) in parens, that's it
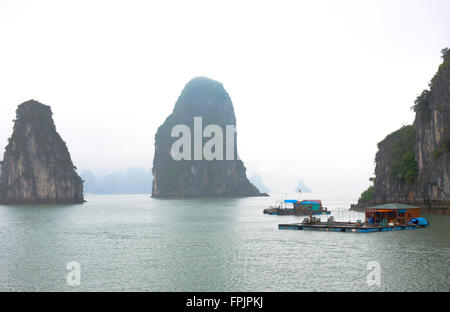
(315, 84)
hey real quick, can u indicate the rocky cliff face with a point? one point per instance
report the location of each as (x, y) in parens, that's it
(191, 177)
(396, 168)
(36, 166)
(413, 163)
(432, 148)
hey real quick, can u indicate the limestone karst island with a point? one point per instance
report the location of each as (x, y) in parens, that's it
(36, 166)
(413, 163)
(207, 102)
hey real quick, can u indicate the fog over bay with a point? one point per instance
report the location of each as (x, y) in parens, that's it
(315, 84)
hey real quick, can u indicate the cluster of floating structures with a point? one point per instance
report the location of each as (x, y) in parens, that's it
(380, 218)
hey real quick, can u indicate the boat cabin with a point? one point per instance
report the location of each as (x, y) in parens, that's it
(313, 205)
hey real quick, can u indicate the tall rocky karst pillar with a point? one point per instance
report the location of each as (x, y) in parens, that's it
(432, 125)
(37, 167)
(205, 98)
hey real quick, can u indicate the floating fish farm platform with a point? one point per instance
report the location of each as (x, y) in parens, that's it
(347, 227)
(381, 218)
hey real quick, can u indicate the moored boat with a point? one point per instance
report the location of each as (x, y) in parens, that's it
(299, 208)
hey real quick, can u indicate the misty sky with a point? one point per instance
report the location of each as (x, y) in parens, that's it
(315, 84)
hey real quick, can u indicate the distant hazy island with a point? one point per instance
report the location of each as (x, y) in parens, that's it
(203, 101)
(36, 166)
(257, 181)
(134, 180)
(301, 186)
(413, 163)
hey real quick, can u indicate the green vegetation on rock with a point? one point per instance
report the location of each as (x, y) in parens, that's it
(444, 65)
(445, 54)
(367, 195)
(404, 165)
(438, 153)
(447, 144)
(422, 104)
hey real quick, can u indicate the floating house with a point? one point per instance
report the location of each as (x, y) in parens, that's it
(392, 213)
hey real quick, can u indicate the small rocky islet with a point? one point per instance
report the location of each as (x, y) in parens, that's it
(37, 167)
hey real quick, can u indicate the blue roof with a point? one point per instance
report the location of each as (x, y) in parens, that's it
(290, 201)
(310, 202)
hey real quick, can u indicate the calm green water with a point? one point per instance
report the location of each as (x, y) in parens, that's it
(136, 243)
